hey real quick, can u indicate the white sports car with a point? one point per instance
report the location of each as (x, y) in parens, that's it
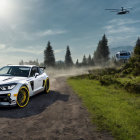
(19, 82)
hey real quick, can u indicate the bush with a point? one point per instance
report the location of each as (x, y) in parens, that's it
(127, 71)
(107, 80)
(105, 71)
(94, 77)
(132, 87)
(119, 77)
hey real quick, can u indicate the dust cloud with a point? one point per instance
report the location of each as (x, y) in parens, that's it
(54, 73)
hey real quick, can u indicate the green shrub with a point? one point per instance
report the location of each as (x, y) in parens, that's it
(132, 87)
(107, 80)
(94, 77)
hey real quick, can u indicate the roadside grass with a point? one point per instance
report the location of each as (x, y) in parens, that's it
(111, 108)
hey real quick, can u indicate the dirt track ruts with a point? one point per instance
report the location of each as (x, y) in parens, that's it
(59, 115)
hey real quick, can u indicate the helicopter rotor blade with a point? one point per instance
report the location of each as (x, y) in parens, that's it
(112, 9)
(122, 8)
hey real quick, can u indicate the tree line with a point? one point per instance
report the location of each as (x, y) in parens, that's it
(99, 57)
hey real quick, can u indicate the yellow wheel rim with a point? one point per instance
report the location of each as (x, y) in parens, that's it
(23, 96)
(47, 85)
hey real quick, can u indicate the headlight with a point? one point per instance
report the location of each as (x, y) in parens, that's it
(7, 87)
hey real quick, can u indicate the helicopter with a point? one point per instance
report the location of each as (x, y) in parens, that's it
(121, 11)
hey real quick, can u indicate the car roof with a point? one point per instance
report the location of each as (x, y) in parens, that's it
(24, 65)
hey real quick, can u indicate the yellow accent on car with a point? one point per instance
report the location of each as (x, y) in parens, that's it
(23, 87)
(15, 95)
(24, 97)
(47, 85)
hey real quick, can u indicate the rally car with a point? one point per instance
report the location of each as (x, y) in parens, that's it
(19, 82)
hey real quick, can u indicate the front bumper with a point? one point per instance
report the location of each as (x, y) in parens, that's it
(12, 99)
(5, 100)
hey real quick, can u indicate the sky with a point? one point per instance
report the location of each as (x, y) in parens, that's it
(27, 25)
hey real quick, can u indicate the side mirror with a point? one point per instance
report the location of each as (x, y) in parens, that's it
(36, 74)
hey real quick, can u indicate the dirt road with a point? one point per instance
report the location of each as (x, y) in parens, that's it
(55, 116)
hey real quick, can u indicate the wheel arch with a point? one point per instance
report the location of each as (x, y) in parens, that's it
(25, 86)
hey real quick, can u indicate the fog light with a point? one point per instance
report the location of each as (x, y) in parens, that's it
(9, 94)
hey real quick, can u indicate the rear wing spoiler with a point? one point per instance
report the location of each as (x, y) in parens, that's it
(43, 68)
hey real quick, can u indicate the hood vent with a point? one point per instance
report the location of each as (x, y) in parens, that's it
(7, 79)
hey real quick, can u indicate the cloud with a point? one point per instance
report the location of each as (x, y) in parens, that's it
(25, 35)
(2, 46)
(134, 4)
(123, 21)
(121, 26)
(58, 50)
(29, 49)
(122, 31)
(50, 32)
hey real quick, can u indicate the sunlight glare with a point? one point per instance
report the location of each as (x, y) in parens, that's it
(5, 8)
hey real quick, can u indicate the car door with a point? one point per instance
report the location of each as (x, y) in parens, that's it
(37, 81)
(40, 79)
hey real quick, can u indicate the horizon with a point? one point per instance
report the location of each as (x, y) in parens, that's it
(27, 26)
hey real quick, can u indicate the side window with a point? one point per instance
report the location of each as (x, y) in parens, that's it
(33, 71)
(40, 71)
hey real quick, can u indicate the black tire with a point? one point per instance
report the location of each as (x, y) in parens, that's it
(23, 96)
(47, 85)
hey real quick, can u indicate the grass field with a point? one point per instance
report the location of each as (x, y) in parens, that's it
(111, 108)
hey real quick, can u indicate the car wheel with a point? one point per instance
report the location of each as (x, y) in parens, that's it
(47, 85)
(23, 96)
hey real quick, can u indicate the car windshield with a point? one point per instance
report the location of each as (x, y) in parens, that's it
(19, 71)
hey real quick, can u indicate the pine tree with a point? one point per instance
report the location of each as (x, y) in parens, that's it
(84, 62)
(105, 49)
(68, 58)
(77, 63)
(49, 58)
(137, 47)
(133, 65)
(89, 60)
(101, 55)
(97, 55)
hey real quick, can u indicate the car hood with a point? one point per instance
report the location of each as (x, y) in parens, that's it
(11, 79)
